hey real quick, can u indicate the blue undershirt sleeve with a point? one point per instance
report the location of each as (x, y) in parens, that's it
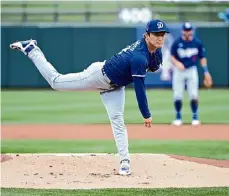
(140, 91)
(138, 71)
(201, 51)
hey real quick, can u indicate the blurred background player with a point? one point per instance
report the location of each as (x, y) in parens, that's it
(185, 53)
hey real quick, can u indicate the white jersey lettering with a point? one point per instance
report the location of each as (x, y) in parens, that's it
(187, 53)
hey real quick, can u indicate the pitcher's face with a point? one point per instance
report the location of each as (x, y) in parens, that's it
(156, 39)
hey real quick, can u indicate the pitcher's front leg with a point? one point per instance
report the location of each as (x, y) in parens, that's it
(114, 102)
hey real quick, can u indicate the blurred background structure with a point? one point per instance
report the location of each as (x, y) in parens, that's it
(112, 11)
(106, 27)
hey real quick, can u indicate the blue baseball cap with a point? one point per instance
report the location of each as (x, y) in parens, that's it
(155, 26)
(187, 26)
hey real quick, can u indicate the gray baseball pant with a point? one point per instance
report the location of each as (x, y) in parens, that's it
(91, 78)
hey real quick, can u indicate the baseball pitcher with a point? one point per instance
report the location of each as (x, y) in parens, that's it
(110, 78)
(185, 53)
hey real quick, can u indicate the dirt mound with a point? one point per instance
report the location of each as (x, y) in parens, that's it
(78, 171)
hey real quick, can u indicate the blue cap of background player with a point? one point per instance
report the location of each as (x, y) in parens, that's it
(187, 26)
(155, 26)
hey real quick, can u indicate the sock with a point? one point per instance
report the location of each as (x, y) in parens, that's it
(194, 107)
(178, 106)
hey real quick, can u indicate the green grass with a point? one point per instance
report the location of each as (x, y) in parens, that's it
(44, 106)
(205, 149)
(219, 191)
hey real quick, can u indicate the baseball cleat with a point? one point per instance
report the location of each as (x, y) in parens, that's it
(24, 46)
(177, 122)
(195, 122)
(125, 168)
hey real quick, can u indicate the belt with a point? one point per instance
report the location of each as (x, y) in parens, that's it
(103, 72)
(111, 83)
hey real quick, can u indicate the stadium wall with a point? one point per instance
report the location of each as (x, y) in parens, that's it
(72, 49)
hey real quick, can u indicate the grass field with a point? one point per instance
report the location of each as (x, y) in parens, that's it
(23, 107)
(222, 191)
(205, 149)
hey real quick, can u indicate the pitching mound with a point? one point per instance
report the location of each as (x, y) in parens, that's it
(83, 171)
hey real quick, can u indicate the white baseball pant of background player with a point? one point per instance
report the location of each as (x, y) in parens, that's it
(90, 79)
(180, 77)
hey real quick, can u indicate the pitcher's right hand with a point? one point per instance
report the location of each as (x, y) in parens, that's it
(148, 122)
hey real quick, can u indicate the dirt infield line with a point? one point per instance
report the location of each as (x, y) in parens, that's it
(168, 132)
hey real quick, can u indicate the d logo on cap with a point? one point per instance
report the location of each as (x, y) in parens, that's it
(159, 25)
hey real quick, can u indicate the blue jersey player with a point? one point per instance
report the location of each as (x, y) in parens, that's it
(110, 78)
(186, 51)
